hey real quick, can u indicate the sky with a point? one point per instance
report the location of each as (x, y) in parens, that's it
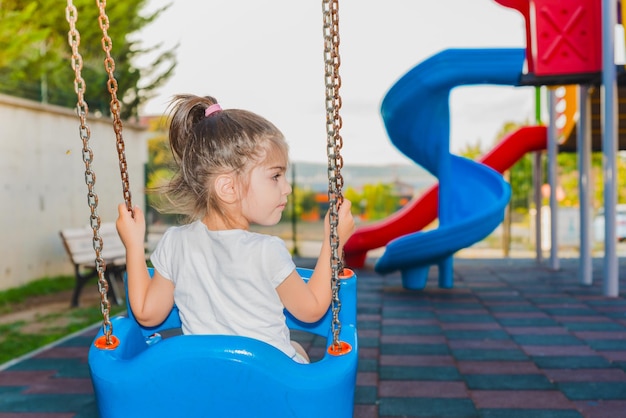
(267, 57)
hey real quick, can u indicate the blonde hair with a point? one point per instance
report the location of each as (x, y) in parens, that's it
(204, 147)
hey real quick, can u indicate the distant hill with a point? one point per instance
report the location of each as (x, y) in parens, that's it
(315, 175)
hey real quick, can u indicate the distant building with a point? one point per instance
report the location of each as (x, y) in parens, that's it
(404, 191)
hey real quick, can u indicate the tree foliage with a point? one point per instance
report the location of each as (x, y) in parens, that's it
(568, 176)
(35, 54)
(569, 179)
(159, 169)
(472, 151)
(374, 201)
(18, 29)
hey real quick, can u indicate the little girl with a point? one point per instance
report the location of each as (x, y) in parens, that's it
(224, 278)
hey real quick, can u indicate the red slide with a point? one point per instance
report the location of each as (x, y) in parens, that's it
(420, 212)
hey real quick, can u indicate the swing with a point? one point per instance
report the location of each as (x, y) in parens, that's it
(138, 372)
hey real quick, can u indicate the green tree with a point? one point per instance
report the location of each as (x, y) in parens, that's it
(306, 200)
(159, 168)
(375, 201)
(472, 151)
(35, 55)
(305, 203)
(18, 28)
(521, 181)
(159, 153)
(597, 179)
(569, 178)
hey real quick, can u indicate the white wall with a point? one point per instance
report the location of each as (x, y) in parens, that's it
(42, 183)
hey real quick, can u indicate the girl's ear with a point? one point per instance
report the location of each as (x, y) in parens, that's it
(225, 187)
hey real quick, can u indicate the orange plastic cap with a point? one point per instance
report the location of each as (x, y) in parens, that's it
(346, 273)
(101, 343)
(339, 349)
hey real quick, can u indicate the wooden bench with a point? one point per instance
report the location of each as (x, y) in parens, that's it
(78, 243)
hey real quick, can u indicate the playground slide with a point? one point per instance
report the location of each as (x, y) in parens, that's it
(472, 196)
(420, 212)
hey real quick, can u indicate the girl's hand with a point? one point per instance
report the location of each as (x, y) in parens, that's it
(132, 231)
(345, 226)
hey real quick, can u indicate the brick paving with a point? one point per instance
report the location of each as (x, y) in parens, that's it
(511, 339)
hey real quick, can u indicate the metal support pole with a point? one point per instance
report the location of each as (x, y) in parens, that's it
(506, 223)
(583, 135)
(552, 181)
(609, 146)
(294, 215)
(537, 182)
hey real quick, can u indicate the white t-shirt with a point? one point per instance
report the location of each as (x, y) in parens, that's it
(225, 281)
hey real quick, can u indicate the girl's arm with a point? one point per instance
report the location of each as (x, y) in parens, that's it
(309, 301)
(151, 299)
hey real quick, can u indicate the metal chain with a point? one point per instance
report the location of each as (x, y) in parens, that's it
(332, 80)
(109, 66)
(90, 176)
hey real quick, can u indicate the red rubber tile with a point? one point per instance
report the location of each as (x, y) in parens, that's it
(537, 330)
(497, 367)
(56, 386)
(602, 409)
(435, 360)
(430, 389)
(558, 350)
(585, 375)
(521, 399)
(25, 377)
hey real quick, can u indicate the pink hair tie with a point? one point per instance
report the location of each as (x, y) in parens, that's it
(212, 109)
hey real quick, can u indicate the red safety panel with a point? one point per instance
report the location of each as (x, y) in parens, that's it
(564, 37)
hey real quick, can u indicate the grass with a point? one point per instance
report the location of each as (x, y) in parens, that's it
(46, 286)
(21, 337)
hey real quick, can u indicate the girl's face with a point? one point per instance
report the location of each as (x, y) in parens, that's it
(267, 192)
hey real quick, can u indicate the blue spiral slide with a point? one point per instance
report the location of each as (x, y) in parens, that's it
(472, 196)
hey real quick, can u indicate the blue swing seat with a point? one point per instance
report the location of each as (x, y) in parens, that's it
(223, 376)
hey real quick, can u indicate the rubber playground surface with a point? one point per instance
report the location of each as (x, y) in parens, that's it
(511, 339)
